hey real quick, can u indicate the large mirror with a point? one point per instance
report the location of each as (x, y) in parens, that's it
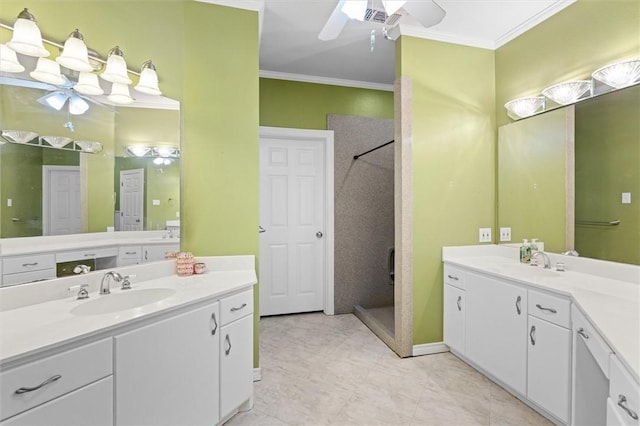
(93, 192)
(571, 177)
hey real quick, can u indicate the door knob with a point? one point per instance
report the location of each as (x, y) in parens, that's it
(261, 229)
(319, 234)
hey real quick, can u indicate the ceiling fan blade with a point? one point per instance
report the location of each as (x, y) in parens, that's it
(18, 82)
(335, 23)
(56, 99)
(428, 13)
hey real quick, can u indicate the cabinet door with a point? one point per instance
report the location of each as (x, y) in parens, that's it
(454, 313)
(236, 364)
(496, 327)
(151, 253)
(549, 367)
(87, 406)
(167, 372)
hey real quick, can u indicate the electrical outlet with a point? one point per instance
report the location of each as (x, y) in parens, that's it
(505, 234)
(626, 198)
(484, 235)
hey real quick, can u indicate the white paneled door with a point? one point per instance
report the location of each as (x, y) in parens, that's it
(132, 199)
(61, 200)
(292, 209)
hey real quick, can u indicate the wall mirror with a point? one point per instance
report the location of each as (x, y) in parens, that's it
(571, 177)
(38, 184)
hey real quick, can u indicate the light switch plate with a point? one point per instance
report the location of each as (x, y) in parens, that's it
(505, 234)
(626, 198)
(9, 202)
(484, 235)
(156, 202)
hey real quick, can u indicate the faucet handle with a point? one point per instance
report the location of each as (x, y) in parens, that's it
(126, 281)
(83, 293)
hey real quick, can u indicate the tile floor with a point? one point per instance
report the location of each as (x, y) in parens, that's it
(319, 370)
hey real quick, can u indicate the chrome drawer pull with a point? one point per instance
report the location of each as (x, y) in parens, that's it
(130, 252)
(453, 277)
(583, 333)
(215, 324)
(26, 265)
(226, 351)
(237, 309)
(518, 301)
(458, 303)
(89, 255)
(532, 335)
(45, 383)
(622, 404)
(542, 308)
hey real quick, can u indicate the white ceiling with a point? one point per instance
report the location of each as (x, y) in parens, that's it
(290, 47)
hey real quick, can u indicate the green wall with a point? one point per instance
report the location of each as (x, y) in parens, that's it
(453, 162)
(306, 105)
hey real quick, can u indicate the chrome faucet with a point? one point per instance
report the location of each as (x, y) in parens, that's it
(104, 284)
(545, 257)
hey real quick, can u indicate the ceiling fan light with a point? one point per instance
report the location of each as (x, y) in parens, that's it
(48, 71)
(148, 82)
(56, 100)
(88, 84)
(120, 94)
(116, 69)
(27, 38)
(77, 105)
(392, 6)
(355, 9)
(74, 54)
(9, 60)
(567, 92)
(620, 74)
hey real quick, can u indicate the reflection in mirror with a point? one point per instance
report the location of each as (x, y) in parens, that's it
(30, 175)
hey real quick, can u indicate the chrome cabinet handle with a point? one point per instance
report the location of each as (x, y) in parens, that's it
(226, 351)
(518, 302)
(215, 324)
(261, 230)
(453, 277)
(622, 404)
(26, 265)
(41, 385)
(145, 255)
(237, 309)
(542, 308)
(583, 333)
(532, 335)
(458, 303)
(129, 252)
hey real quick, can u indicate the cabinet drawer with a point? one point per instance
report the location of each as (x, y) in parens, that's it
(550, 308)
(73, 369)
(36, 262)
(130, 252)
(236, 306)
(28, 277)
(454, 276)
(585, 331)
(90, 253)
(624, 392)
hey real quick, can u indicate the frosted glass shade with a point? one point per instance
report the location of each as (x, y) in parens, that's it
(56, 141)
(116, 69)
(88, 84)
(48, 71)
(120, 94)
(164, 151)
(568, 92)
(74, 54)
(89, 146)
(138, 150)
(19, 136)
(77, 105)
(148, 82)
(9, 60)
(355, 9)
(524, 107)
(56, 100)
(27, 38)
(618, 75)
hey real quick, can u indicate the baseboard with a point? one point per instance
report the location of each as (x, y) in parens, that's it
(257, 374)
(430, 348)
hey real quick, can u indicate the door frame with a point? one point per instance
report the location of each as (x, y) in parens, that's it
(46, 195)
(326, 138)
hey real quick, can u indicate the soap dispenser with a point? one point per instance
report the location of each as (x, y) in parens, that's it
(525, 251)
(534, 245)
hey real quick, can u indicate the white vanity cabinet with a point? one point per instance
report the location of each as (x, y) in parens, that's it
(167, 372)
(495, 329)
(623, 404)
(454, 312)
(28, 268)
(153, 252)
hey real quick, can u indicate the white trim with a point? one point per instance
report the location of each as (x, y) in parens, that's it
(256, 5)
(325, 80)
(430, 348)
(326, 137)
(46, 177)
(257, 374)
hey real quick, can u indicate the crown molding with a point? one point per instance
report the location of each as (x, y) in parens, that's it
(421, 32)
(325, 80)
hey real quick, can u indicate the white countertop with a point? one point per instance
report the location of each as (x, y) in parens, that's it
(611, 305)
(36, 328)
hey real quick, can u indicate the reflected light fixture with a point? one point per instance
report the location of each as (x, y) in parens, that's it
(524, 107)
(74, 54)
(19, 136)
(355, 9)
(392, 6)
(48, 71)
(77, 105)
(116, 69)
(567, 92)
(88, 84)
(89, 146)
(148, 82)
(9, 60)
(138, 150)
(56, 100)
(620, 74)
(164, 151)
(56, 141)
(27, 38)
(162, 161)
(120, 94)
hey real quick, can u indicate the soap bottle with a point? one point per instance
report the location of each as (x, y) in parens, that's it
(534, 245)
(525, 252)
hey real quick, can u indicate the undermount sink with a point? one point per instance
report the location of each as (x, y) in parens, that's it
(105, 304)
(528, 270)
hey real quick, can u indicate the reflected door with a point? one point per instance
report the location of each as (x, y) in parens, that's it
(292, 217)
(61, 200)
(131, 199)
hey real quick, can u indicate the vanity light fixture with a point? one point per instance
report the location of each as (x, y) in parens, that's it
(19, 136)
(619, 74)
(88, 84)
(74, 54)
(89, 146)
(524, 107)
(148, 82)
(27, 38)
(116, 70)
(9, 60)
(568, 92)
(138, 150)
(56, 141)
(48, 71)
(120, 94)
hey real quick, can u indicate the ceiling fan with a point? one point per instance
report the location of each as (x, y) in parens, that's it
(387, 13)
